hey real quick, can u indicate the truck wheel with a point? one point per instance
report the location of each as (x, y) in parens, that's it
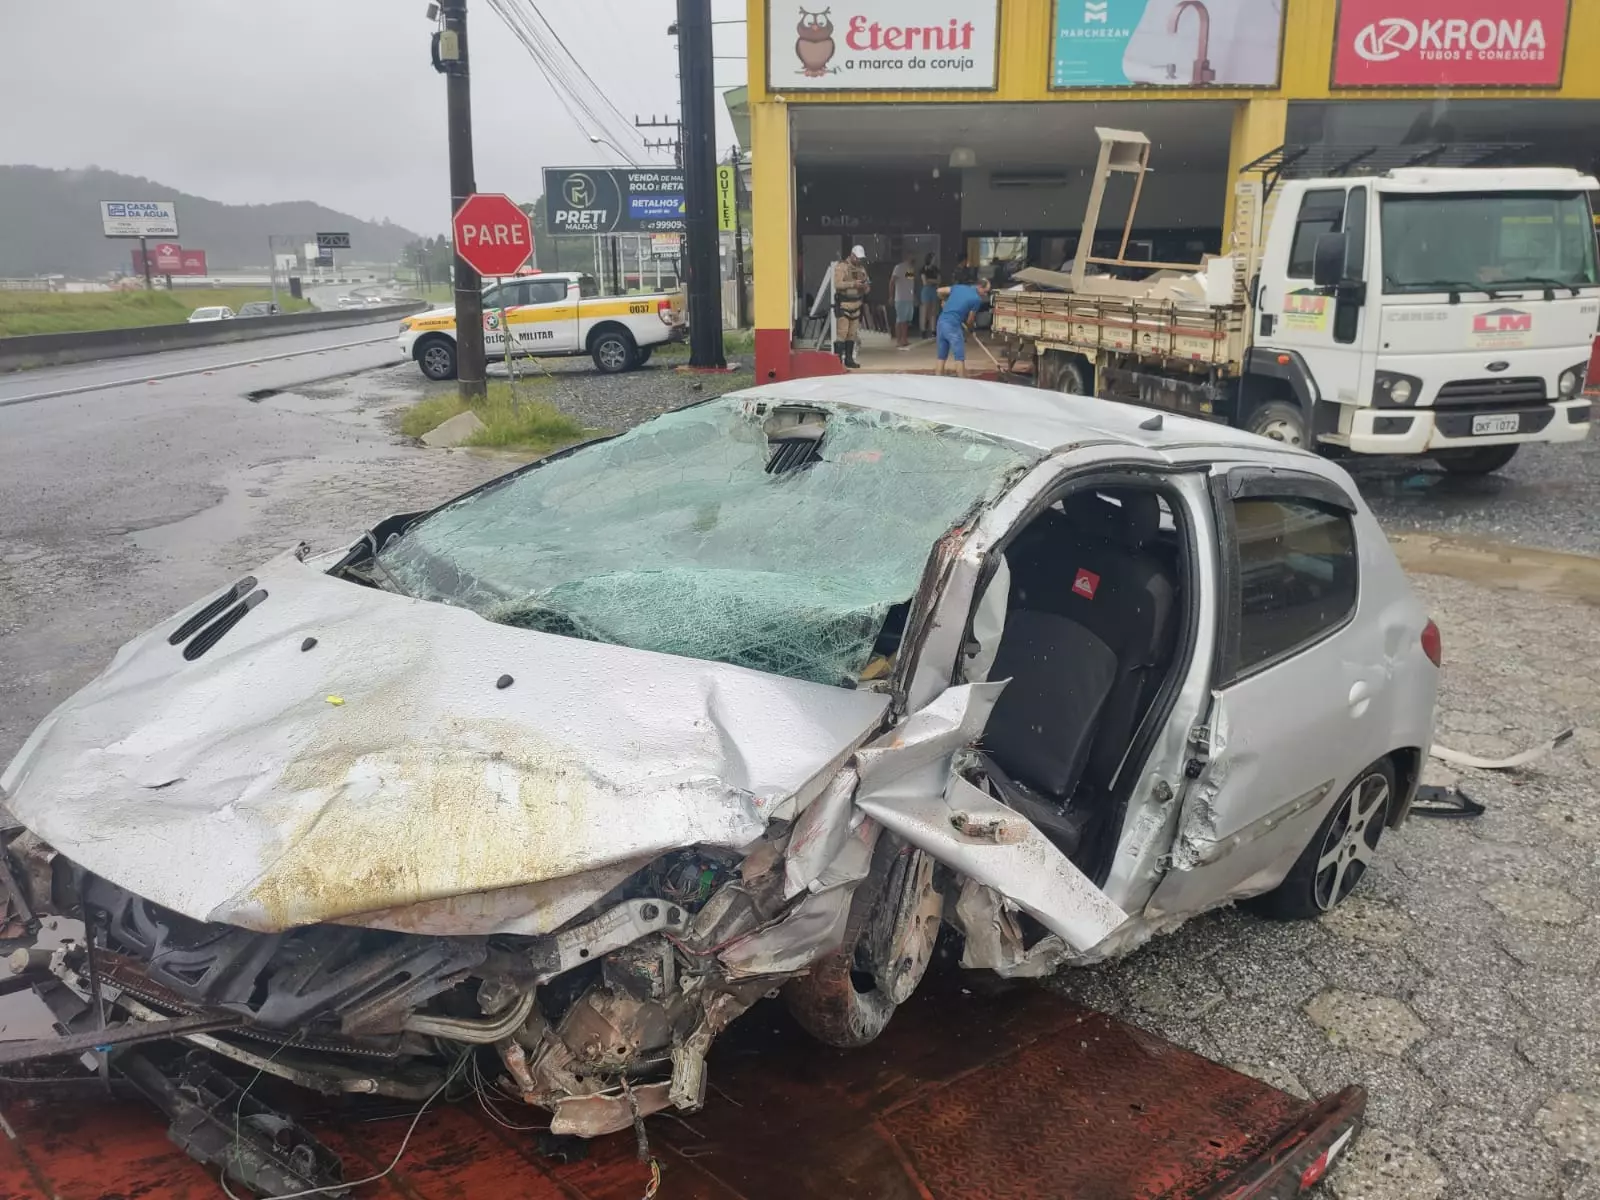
(642, 355)
(1068, 374)
(613, 351)
(1281, 420)
(437, 358)
(1479, 461)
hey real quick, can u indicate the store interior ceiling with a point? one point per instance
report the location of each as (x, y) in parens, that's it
(1185, 137)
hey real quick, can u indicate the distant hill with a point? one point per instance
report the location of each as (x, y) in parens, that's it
(51, 224)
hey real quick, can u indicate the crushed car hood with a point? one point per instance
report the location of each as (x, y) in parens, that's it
(273, 783)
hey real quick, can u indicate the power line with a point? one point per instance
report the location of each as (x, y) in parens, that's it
(574, 59)
(574, 88)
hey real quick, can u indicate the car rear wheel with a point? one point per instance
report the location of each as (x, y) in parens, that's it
(1339, 853)
(613, 351)
(642, 355)
(1478, 461)
(1281, 420)
(437, 358)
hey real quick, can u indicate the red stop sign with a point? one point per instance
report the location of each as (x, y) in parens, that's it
(492, 234)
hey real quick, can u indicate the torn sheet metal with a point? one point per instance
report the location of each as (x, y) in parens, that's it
(912, 758)
(820, 833)
(229, 789)
(928, 736)
(815, 926)
(992, 937)
(984, 840)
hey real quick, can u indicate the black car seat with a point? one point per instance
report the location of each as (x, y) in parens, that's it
(1086, 642)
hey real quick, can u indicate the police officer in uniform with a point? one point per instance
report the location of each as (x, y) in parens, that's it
(850, 288)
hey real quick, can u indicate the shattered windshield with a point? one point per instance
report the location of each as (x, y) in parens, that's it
(679, 536)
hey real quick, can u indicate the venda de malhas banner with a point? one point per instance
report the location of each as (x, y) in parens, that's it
(1464, 43)
(883, 45)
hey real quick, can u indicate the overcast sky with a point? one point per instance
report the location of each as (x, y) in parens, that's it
(248, 101)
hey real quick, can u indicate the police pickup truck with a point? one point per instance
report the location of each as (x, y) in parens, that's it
(555, 315)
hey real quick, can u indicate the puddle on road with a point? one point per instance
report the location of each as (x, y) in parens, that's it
(1500, 565)
(371, 400)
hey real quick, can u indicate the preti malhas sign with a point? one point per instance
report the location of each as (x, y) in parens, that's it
(882, 45)
(1467, 43)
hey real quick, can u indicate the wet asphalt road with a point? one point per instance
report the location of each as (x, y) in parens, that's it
(25, 387)
(1548, 496)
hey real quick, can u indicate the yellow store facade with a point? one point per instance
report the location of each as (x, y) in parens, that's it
(964, 130)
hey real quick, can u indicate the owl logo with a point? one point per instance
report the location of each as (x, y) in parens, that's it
(815, 45)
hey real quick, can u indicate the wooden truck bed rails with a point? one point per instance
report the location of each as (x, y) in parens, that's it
(1188, 335)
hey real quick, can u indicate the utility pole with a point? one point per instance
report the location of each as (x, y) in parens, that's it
(450, 59)
(144, 257)
(698, 98)
(272, 268)
(675, 144)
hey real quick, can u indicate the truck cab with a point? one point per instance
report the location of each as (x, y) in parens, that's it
(1438, 311)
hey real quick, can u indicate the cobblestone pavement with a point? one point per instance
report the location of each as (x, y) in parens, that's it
(1458, 984)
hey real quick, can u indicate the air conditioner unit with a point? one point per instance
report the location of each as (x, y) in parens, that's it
(1028, 179)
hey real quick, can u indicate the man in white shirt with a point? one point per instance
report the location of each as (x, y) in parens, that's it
(903, 294)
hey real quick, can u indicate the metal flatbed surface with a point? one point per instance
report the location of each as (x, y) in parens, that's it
(972, 1093)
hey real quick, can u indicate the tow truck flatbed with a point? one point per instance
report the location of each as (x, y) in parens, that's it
(995, 1096)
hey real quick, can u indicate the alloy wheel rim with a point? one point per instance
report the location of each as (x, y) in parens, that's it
(1352, 841)
(436, 358)
(612, 354)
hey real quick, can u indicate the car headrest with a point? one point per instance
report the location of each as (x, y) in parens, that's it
(1129, 517)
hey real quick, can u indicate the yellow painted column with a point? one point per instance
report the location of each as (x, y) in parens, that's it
(772, 235)
(1258, 126)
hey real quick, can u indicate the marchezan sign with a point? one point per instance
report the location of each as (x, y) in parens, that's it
(883, 45)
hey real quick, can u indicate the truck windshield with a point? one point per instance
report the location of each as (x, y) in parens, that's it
(1490, 240)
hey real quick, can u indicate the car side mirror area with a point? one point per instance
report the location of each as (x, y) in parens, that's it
(1328, 260)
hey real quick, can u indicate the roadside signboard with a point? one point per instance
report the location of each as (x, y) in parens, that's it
(884, 45)
(665, 245)
(139, 218)
(613, 200)
(167, 259)
(333, 241)
(1166, 43)
(492, 234)
(1458, 43)
(727, 200)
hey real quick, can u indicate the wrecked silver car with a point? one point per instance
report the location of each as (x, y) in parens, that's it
(754, 699)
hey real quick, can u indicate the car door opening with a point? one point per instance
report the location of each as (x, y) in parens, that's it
(1094, 608)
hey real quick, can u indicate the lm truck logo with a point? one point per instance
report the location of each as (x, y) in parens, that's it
(1502, 320)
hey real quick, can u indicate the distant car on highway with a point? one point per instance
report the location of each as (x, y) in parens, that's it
(258, 308)
(216, 312)
(349, 301)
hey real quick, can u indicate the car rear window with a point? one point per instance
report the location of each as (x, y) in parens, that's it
(1298, 577)
(690, 535)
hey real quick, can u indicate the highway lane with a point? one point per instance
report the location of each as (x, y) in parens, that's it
(23, 387)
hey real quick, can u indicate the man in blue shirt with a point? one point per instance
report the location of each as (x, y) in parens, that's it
(961, 304)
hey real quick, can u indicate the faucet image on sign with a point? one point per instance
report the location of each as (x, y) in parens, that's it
(1202, 62)
(815, 45)
(1231, 42)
